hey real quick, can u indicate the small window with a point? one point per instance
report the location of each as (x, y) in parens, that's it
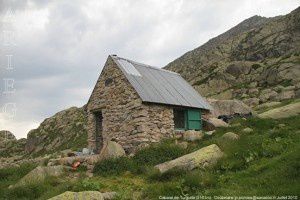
(179, 118)
(108, 81)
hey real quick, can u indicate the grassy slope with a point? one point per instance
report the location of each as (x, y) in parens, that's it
(264, 162)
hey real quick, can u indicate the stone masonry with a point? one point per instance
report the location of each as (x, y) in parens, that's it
(125, 119)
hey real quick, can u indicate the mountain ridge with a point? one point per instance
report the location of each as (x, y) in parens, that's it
(259, 53)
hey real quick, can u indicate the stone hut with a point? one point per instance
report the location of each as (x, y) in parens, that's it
(135, 104)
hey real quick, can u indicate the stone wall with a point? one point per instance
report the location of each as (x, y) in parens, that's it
(126, 119)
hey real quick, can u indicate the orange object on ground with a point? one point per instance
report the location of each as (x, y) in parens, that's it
(75, 165)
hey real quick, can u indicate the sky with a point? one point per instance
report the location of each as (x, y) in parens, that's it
(52, 52)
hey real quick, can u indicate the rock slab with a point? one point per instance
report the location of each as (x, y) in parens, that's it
(202, 158)
(86, 195)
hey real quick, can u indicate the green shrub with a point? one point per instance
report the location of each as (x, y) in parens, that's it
(114, 166)
(153, 191)
(158, 153)
(15, 173)
(272, 148)
(33, 191)
(261, 124)
(81, 168)
(286, 83)
(155, 175)
(141, 161)
(199, 180)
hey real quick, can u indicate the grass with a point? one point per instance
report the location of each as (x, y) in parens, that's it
(264, 162)
(140, 162)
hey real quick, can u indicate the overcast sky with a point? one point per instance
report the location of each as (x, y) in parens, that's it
(58, 48)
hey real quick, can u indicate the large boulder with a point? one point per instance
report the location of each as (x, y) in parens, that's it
(213, 123)
(203, 158)
(228, 107)
(111, 149)
(237, 68)
(292, 109)
(192, 135)
(247, 130)
(230, 136)
(39, 174)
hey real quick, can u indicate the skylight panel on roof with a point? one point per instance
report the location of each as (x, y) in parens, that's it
(129, 68)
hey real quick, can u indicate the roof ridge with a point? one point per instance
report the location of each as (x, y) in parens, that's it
(145, 65)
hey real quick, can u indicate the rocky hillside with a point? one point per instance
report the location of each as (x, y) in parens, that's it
(64, 130)
(256, 61)
(9, 145)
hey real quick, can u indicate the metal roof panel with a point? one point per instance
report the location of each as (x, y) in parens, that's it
(160, 86)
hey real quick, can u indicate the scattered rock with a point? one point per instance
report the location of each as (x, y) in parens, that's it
(213, 123)
(236, 124)
(247, 130)
(230, 136)
(112, 149)
(192, 135)
(203, 158)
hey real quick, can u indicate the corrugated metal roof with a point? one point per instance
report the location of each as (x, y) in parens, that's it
(161, 86)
